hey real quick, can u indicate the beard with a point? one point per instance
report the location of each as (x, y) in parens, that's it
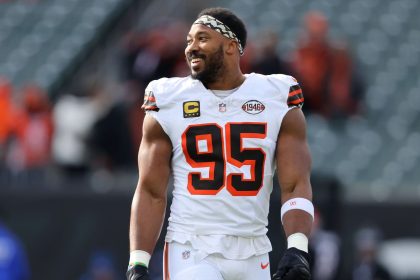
(213, 69)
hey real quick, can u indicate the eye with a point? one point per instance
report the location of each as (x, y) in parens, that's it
(202, 38)
(189, 42)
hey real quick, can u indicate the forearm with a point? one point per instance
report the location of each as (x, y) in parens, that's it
(297, 220)
(147, 216)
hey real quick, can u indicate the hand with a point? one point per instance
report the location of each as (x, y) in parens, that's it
(294, 265)
(137, 272)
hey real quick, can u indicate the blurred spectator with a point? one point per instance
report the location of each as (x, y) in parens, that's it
(13, 261)
(145, 58)
(7, 112)
(268, 61)
(35, 127)
(29, 148)
(74, 117)
(116, 135)
(326, 71)
(176, 38)
(325, 247)
(367, 267)
(101, 267)
(247, 59)
(154, 54)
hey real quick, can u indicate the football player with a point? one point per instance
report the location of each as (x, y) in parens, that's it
(222, 135)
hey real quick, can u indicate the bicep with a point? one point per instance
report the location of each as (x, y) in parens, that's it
(293, 157)
(154, 158)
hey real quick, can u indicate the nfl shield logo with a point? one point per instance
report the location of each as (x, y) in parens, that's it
(186, 254)
(222, 107)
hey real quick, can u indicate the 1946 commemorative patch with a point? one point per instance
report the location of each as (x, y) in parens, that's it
(253, 107)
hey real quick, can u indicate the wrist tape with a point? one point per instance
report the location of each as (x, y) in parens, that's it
(299, 241)
(297, 203)
(139, 257)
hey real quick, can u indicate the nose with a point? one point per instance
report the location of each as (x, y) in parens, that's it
(193, 46)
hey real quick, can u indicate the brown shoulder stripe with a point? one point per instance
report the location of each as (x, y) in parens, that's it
(295, 97)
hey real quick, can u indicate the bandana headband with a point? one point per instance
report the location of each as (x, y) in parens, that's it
(220, 27)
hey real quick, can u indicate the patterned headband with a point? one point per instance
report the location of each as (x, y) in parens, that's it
(220, 27)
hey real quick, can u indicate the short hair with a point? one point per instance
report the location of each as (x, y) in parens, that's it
(226, 16)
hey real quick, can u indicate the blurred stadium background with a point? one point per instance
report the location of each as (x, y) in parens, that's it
(68, 202)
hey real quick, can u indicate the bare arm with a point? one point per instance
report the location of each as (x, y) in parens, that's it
(293, 165)
(149, 201)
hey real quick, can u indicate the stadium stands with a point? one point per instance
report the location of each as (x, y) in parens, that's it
(39, 40)
(375, 154)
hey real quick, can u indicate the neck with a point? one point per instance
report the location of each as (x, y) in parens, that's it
(227, 81)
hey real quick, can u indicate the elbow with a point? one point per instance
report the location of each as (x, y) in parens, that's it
(301, 189)
(154, 193)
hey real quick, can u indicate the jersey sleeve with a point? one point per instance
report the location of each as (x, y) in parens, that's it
(156, 101)
(149, 103)
(289, 90)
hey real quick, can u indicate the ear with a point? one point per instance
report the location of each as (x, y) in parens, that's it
(231, 47)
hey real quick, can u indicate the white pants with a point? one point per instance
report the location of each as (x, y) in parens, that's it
(182, 262)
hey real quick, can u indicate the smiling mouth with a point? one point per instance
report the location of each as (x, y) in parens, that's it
(196, 61)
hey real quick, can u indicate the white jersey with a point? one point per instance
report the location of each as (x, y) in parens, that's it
(223, 154)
